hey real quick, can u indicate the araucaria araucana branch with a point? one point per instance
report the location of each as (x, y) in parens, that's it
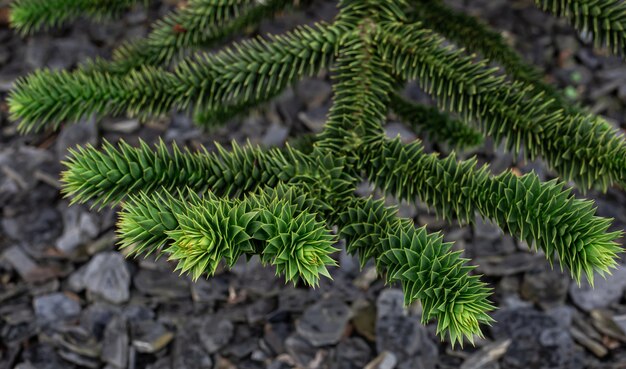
(289, 206)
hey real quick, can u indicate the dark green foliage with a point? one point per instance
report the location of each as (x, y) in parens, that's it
(542, 214)
(206, 208)
(580, 147)
(30, 15)
(248, 72)
(199, 233)
(197, 24)
(446, 290)
(606, 19)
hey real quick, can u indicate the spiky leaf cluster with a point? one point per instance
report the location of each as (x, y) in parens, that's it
(446, 290)
(199, 233)
(203, 209)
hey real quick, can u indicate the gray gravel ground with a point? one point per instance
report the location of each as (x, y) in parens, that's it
(69, 299)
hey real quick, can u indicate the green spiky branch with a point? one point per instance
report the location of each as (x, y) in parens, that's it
(606, 19)
(248, 72)
(541, 214)
(580, 147)
(281, 204)
(475, 36)
(196, 25)
(28, 16)
(374, 231)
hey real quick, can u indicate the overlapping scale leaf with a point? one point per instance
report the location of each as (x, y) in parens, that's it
(361, 89)
(296, 243)
(362, 223)
(210, 232)
(201, 232)
(281, 204)
(438, 277)
(106, 176)
(427, 268)
(470, 33)
(145, 221)
(548, 216)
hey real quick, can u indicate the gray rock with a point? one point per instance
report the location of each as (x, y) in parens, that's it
(396, 129)
(7, 81)
(97, 316)
(107, 277)
(241, 346)
(315, 119)
(546, 287)
(480, 247)
(324, 323)
(606, 291)
(294, 300)
(390, 302)
(504, 265)
(162, 284)
(274, 336)
(66, 52)
(300, 350)
(43, 356)
(80, 226)
(135, 313)
(80, 360)
(486, 230)
(604, 322)
(287, 105)
(82, 133)
(620, 320)
(275, 135)
(364, 319)
(78, 340)
(385, 360)
(55, 308)
(408, 339)
(589, 343)
(563, 315)
(26, 267)
(537, 340)
(188, 351)
(115, 343)
(38, 51)
(121, 126)
(150, 336)
(365, 278)
(210, 290)
(313, 92)
(76, 280)
(18, 167)
(487, 355)
(216, 333)
(353, 353)
(40, 227)
(259, 310)
(401, 334)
